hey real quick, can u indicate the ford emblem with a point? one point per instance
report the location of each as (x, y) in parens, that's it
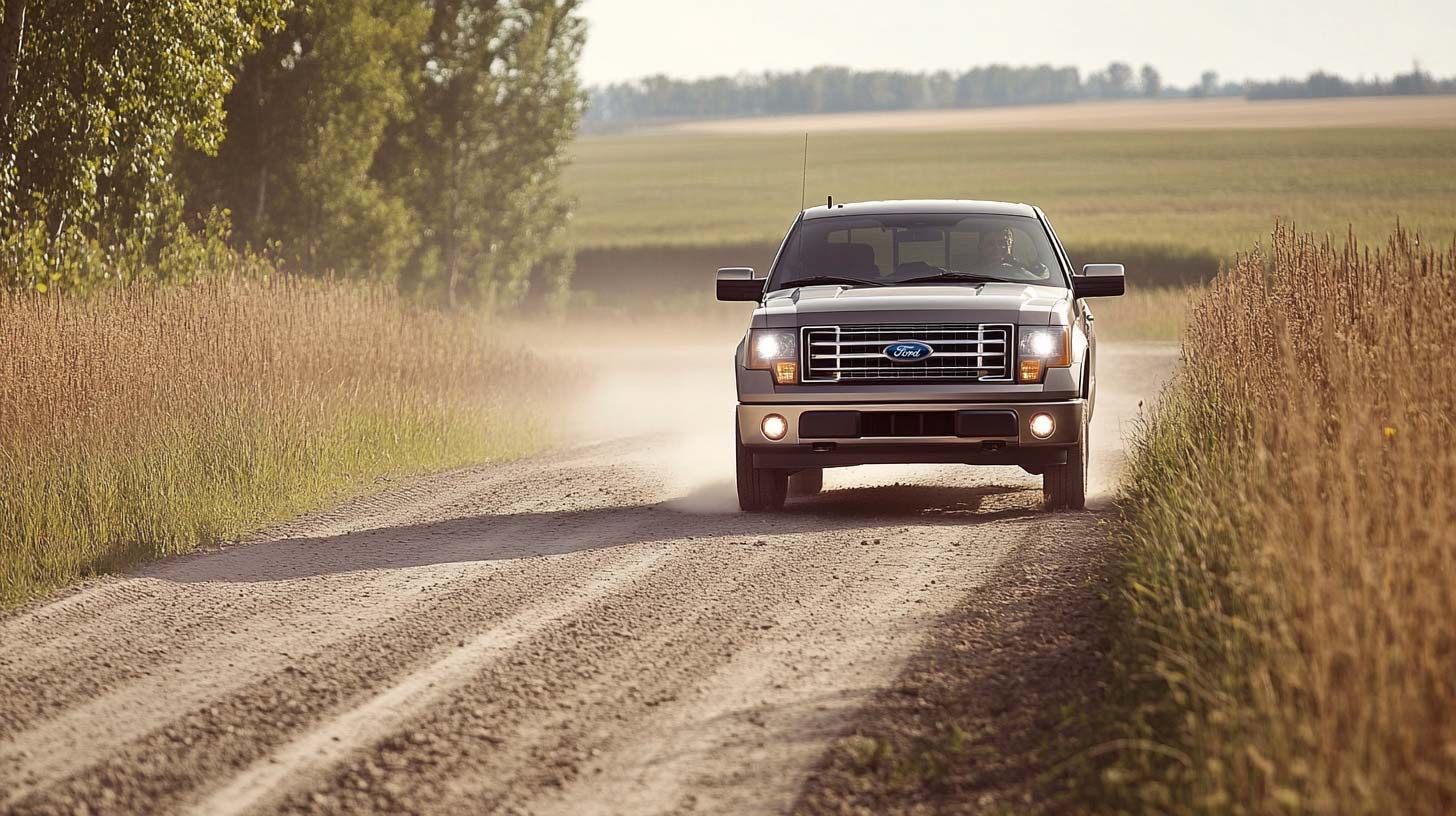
(907, 351)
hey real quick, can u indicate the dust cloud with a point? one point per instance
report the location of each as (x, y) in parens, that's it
(668, 382)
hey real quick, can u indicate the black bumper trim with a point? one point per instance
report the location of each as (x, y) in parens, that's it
(974, 424)
(829, 454)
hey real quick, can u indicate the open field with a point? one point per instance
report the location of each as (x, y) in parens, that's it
(1290, 565)
(1164, 114)
(147, 422)
(1212, 191)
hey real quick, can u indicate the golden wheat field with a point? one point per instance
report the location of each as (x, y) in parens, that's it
(147, 421)
(1291, 575)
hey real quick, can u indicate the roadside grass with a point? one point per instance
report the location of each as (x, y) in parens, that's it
(1289, 583)
(1172, 194)
(145, 422)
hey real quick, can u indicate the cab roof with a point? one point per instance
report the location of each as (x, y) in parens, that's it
(926, 206)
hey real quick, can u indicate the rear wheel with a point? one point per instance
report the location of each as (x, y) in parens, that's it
(758, 488)
(807, 482)
(1065, 486)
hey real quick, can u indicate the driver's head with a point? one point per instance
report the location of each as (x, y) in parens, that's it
(996, 245)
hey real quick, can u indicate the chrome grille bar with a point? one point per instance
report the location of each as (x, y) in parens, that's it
(971, 352)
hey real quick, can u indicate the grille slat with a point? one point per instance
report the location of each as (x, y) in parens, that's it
(881, 342)
(973, 352)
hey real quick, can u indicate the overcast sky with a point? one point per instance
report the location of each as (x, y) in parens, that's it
(1238, 38)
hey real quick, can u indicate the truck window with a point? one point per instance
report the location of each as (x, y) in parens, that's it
(890, 248)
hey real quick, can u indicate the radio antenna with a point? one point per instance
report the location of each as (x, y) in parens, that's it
(804, 183)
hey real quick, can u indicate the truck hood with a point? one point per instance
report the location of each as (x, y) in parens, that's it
(1018, 303)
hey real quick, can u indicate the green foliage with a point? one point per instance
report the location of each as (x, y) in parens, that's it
(496, 102)
(398, 140)
(104, 93)
(305, 121)
(829, 90)
(33, 259)
(1320, 85)
(384, 139)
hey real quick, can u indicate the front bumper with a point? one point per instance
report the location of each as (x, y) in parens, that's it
(1018, 448)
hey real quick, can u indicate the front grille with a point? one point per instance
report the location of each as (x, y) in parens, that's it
(975, 352)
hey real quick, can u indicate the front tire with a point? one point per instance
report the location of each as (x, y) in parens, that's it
(758, 488)
(807, 482)
(1065, 486)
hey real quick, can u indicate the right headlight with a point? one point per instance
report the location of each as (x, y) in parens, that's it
(1039, 348)
(775, 350)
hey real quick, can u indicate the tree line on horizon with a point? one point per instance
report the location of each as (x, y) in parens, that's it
(416, 141)
(830, 89)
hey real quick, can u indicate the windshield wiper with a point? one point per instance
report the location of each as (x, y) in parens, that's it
(953, 276)
(818, 280)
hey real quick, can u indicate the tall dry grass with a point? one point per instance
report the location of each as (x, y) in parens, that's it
(146, 421)
(1291, 575)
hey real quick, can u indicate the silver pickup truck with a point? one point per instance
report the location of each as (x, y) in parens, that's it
(916, 332)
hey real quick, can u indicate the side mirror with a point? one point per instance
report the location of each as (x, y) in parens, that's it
(1099, 280)
(738, 283)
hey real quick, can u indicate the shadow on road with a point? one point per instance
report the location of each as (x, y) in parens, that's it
(558, 532)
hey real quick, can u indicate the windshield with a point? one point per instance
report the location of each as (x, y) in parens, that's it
(907, 249)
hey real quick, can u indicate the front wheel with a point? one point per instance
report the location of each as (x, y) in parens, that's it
(807, 482)
(758, 488)
(1065, 486)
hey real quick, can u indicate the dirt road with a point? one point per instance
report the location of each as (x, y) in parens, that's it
(596, 630)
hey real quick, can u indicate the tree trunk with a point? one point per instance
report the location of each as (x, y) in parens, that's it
(261, 209)
(452, 246)
(12, 36)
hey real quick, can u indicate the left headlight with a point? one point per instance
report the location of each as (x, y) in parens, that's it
(1039, 348)
(775, 350)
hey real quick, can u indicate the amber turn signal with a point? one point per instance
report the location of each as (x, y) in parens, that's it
(1030, 370)
(786, 372)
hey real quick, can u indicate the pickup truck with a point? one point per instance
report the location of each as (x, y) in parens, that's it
(900, 332)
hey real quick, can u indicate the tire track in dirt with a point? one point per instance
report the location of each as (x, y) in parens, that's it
(330, 742)
(105, 637)
(99, 699)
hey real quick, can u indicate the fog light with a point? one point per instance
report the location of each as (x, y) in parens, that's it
(775, 427)
(1043, 426)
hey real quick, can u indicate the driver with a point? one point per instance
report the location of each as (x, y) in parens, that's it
(995, 248)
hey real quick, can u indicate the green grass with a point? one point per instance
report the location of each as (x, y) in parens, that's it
(1213, 191)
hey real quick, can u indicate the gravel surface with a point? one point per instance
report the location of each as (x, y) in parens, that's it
(595, 630)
